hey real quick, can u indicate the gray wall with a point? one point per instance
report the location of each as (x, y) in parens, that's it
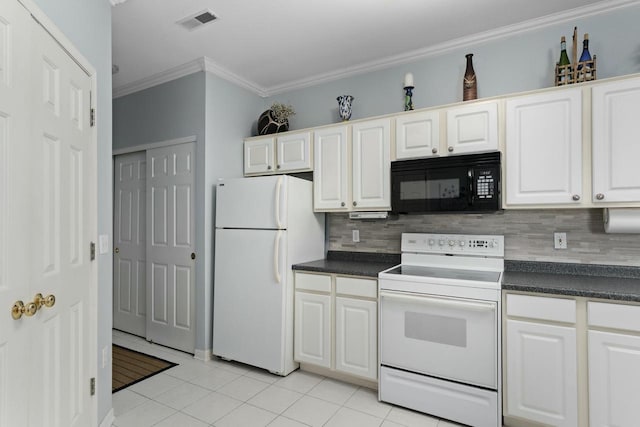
(87, 24)
(528, 234)
(517, 63)
(220, 115)
(168, 111)
(230, 113)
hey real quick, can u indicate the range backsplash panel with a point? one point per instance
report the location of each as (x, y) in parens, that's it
(528, 234)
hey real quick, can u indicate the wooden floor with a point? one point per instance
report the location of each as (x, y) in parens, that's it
(130, 366)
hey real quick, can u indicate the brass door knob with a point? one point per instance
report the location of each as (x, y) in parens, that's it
(193, 255)
(117, 250)
(48, 301)
(19, 309)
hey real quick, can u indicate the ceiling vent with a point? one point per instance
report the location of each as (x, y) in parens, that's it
(197, 20)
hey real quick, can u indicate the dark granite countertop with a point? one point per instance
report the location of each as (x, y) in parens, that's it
(583, 280)
(367, 264)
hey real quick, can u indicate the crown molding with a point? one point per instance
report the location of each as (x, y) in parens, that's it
(195, 66)
(208, 65)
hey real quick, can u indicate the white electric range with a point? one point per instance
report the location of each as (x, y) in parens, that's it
(439, 327)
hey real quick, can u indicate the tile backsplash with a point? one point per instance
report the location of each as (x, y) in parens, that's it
(528, 234)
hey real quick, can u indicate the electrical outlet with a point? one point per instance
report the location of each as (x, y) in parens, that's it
(560, 240)
(355, 235)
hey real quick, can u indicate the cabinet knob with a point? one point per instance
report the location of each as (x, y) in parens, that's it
(355, 203)
(434, 150)
(278, 167)
(451, 149)
(599, 196)
(576, 197)
(342, 204)
(269, 167)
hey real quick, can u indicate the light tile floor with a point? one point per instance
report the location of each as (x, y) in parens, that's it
(228, 394)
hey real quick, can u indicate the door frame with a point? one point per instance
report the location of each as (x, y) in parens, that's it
(50, 27)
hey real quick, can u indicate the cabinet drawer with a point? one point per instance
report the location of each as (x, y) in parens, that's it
(618, 316)
(313, 282)
(544, 308)
(357, 287)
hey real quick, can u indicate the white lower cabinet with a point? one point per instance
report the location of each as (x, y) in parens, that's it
(312, 336)
(335, 324)
(356, 337)
(541, 374)
(614, 364)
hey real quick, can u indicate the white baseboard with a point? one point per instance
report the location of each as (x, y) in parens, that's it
(108, 419)
(204, 355)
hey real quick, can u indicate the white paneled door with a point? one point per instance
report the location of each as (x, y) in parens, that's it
(171, 247)
(47, 219)
(130, 247)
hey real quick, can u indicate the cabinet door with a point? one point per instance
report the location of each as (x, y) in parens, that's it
(541, 374)
(472, 128)
(330, 179)
(293, 152)
(258, 155)
(614, 379)
(356, 337)
(372, 165)
(417, 135)
(615, 141)
(544, 148)
(312, 329)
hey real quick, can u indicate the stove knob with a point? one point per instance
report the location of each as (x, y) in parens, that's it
(452, 243)
(441, 242)
(461, 243)
(432, 242)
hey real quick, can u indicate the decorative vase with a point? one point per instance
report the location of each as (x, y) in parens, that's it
(267, 124)
(470, 88)
(344, 106)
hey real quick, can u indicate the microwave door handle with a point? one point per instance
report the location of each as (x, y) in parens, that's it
(470, 181)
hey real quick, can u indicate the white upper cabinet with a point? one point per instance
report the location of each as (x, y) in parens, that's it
(258, 156)
(417, 134)
(353, 174)
(472, 128)
(616, 145)
(290, 152)
(330, 178)
(372, 164)
(293, 152)
(544, 148)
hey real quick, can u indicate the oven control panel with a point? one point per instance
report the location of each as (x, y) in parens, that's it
(468, 244)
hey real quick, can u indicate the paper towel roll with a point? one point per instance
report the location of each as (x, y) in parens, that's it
(621, 220)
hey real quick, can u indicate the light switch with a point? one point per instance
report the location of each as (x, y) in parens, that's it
(104, 243)
(355, 235)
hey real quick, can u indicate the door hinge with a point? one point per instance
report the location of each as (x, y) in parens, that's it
(92, 117)
(92, 251)
(92, 386)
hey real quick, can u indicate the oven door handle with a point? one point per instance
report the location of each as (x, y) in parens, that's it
(420, 299)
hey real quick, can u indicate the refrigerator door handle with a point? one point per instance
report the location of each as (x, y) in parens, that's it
(276, 257)
(278, 189)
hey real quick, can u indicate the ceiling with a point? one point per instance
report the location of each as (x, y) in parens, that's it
(277, 45)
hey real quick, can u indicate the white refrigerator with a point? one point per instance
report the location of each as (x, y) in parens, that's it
(263, 226)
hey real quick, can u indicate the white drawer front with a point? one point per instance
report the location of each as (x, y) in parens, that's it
(618, 316)
(366, 288)
(313, 282)
(544, 308)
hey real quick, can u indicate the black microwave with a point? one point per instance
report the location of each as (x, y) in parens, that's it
(465, 183)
